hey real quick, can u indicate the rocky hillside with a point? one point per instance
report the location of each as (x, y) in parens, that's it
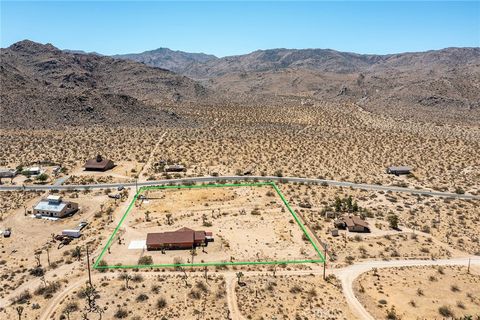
(443, 85)
(43, 86)
(176, 61)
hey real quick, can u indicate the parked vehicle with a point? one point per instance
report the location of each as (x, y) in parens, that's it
(7, 233)
(82, 224)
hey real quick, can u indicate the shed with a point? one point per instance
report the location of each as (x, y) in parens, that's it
(32, 171)
(398, 170)
(7, 173)
(99, 164)
(174, 168)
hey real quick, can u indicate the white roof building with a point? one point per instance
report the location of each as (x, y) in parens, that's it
(7, 173)
(53, 206)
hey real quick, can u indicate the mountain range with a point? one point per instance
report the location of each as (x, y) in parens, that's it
(44, 85)
(443, 84)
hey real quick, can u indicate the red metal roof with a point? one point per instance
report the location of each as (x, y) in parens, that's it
(180, 236)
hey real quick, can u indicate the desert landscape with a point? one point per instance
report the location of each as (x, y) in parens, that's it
(249, 224)
(408, 292)
(287, 182)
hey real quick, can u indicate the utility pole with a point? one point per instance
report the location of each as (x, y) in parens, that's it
(48, 256)
(136, 185)
(89, 272)
(468, 269)
(325, 261)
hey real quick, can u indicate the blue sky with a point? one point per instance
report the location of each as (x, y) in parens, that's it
(228, 28)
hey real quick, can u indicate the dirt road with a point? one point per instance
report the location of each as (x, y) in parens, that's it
(346, 276)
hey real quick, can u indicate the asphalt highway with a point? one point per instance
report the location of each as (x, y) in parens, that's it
(207, 179)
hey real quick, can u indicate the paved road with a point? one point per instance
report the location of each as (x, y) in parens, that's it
(242, 178)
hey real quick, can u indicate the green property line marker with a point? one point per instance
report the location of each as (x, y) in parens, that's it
(204, 264)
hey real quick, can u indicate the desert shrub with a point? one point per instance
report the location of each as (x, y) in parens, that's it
(296, 289)
(48, 290)
(454, 288)
(393, 221)
(121, 313)
(71, 307)
(137, 278)
(161, 303)
(37, 271)
(195, 294)
(445, 311)
(201, 286)
(145, 260)
(102, 263)
(141, 297)
(392, 314)
(22, 298)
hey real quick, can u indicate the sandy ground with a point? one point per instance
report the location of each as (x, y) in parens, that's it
(291, 297)
(451, 224)
(148, 296)
(248, 224)
(32, 238)
(421, 292)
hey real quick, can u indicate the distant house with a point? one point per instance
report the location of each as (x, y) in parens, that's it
(7, 173)
(99, 164)
(184, 238)
(32, 171)
(399, 170)
(54, 206)
(353, 224)
(174, 168)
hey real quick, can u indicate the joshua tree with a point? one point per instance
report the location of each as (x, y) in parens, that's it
(274, 271)
(147, 215)
(91, 298)
(37, 258)
(193, 252)
(239, 277)
(393, 221)
(42, 278)
(48, 254)
(169, 216)
(125, 276)
(19, 312)
(77, 253)
(70, 308)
